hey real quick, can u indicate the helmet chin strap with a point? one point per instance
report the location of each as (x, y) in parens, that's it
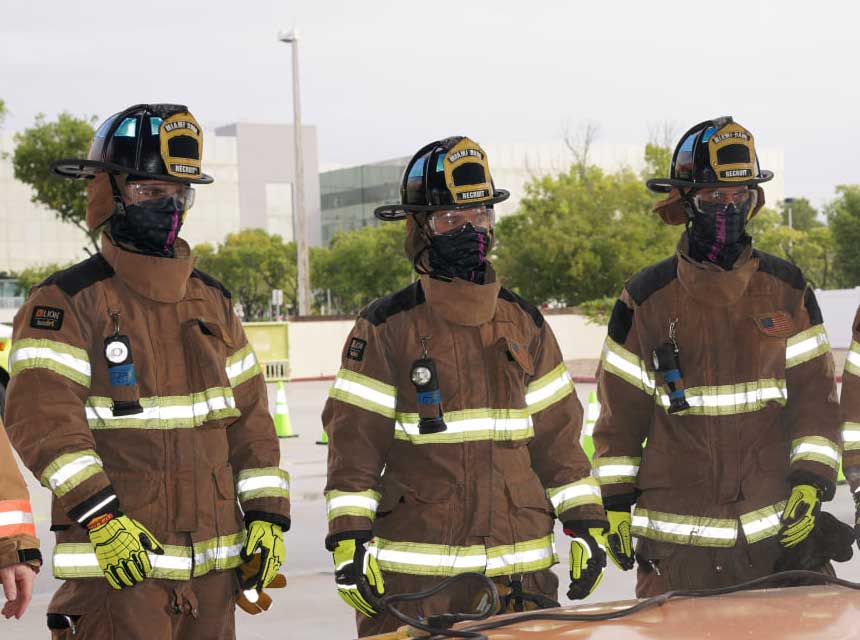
(119, 205)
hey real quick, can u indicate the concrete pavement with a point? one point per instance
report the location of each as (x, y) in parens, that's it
(310, 608)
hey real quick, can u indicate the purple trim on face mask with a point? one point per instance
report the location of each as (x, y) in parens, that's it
(174, 230)
(720, 240)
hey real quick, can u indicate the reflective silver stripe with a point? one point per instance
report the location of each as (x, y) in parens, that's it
(58, 357)
(851, 436)
(731, 399)
(616, 470)
(360, 504)
(484, 423)
(585, 491)
(9, 518)
(365, 392)
(816, 449)
(762, 523)
(70, 469)
(693, 530)
(627, 365)
(358, 500)
(86, 516)
(241, 364)
(549, 389)
(852, 363)
(806, 345)
(261, 482)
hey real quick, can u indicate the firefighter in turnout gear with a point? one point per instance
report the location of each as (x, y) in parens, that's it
(137, 399)
(718, 358)
(850, 410)
(20, 558)
(453, 424)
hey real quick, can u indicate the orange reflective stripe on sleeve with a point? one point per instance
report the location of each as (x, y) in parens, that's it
(16, 518)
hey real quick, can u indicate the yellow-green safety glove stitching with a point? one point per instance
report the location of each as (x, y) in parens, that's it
(798, 517)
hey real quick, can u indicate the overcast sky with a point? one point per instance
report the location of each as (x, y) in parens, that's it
(379, 78)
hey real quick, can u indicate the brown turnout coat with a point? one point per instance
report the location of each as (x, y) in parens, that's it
(759, 379)
(173, 448)
(482, 495)
(17, 532)
(850, 409)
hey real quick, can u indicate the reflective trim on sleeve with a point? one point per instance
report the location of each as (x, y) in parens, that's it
(731, 399)
(16, 519)
(351, 503)
(851, 436)
(616, 470)
(167, 412)
(852, 363)
(816, 449)
(469, 425)
(693, 530)
(78, 560)
(627, 366)
(63, 359)
(575, 494)
(364, 392)
(446, 560)
(806, 345)
(71, 470)
(266, 482)
(549, 389)
(762, 523)
(242, 366)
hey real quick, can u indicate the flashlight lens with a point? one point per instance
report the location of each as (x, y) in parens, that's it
(421, 375)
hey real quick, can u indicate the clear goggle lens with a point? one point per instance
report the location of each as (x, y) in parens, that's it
(739, 196)
(453, 219)
(137, 192)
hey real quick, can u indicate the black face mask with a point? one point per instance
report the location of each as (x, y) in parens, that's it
(460, 254)
(150, 227)
(718, 233)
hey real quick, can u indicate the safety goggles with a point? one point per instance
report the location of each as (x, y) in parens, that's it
(137, 192)
(738, 196)
(452, 219)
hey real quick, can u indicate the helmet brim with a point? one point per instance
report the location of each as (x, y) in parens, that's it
(390, 212)
(80, 169)
(665, 185)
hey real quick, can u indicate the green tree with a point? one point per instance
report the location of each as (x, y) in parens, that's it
(803, 215)
(251, 263)
(31, 276)
(3, 111)
(37, 147)
(843, 214)
(362, 265)
(578, 236)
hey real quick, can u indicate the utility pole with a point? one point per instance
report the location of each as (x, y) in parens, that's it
(292, 37)
(788, 202)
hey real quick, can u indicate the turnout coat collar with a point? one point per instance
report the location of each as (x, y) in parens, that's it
(153, 277)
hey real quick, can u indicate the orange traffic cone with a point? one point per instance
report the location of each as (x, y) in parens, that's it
(283, 426)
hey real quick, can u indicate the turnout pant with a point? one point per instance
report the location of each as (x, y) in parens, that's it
(460, 598)
(198, 609)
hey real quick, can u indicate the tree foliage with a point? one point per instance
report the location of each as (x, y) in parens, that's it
(362, 265)
(803, 215)
(3, 111)
(578, 236)
(251, 263)
(37, 147)
(843, 214)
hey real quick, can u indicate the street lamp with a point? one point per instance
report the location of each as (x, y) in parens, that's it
(292, 37)
(788, 202)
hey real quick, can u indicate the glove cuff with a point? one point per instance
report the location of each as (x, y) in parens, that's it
(273, 518)
(102, 503)
(359, 536)
(579, 528)
(623, 502)
(826, 489)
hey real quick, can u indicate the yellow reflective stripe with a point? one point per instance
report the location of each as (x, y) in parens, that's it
(549, 389)
(362, 504)
(851, 436)
(731, 399)
(680, 529)
(61, 358)
(264, 482)
(852, 363)
(616, 470)
(575, 494)
(364, 392)
(762, 523)
(469, 425)
(78, 560)
(70, 470)
(242, 366)
(806, 345)
(447, 560)
(165, 412)
(627, 366)
(816, 449)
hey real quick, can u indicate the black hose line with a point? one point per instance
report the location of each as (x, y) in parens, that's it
(438, 626)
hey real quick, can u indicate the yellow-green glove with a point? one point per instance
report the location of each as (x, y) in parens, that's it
(798, 517)
(269, 539)
(358, 578)
(587, 561)
(619, 543)
(121, 545)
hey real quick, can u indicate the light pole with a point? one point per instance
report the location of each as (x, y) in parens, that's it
(292, 37)
(788, 202)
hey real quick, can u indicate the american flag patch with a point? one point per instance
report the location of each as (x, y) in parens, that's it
(777, 324)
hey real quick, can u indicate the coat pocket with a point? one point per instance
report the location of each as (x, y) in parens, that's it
(227, 513)
(418, 511)
(206, 345)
